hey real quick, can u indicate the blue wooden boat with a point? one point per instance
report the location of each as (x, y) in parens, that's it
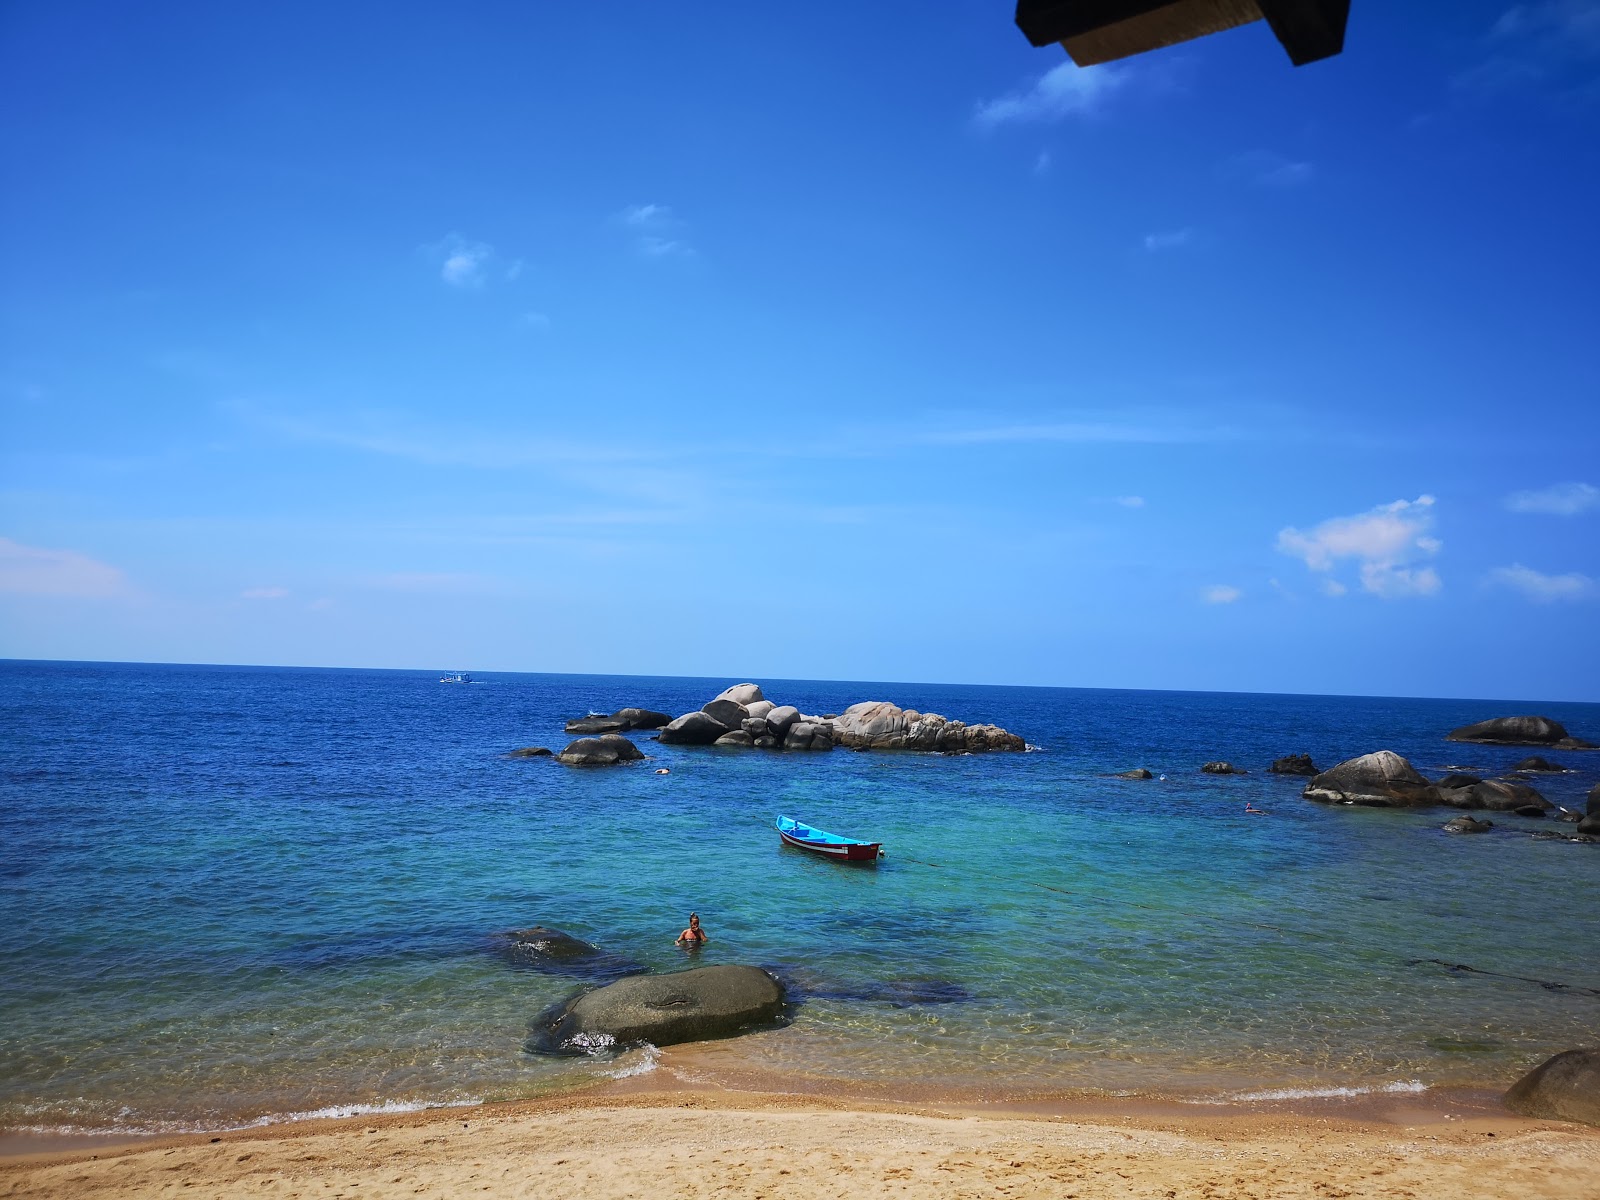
(829, 845)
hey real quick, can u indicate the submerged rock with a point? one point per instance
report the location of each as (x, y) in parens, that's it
(1538, 763)
(530, 752)
(687, 1006)
(806, 983)
(1379, 780)
(1497, 795)
(1293, 764)
(1136, 773)
(1518, 731)
(1222, 768)
(621, 721)
(557, 953)
(602, 751)
(1465, 824)
(1563, 1088)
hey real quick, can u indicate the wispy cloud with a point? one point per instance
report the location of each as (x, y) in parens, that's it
(34, 571)
(463, 263)
(1168, 240)
(1157, 430)
(1267, 169)
(264, 593)
(1221, 593)
(1536, 585)
(1559, 499)
(1384, 543)
(1066, 90)
(657, 231)
(1546, 42)
(535, 320)
(1041, 163)
(1130, 501)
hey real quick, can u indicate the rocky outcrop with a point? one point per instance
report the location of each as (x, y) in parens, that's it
(1379, 780)
(745, 694)
(1136, 773)
(603, 751)
(1537, 764)
(1465, 824)
(1293, 764)
(1563, 1088)
(1459, 780)
(621, 721)
(1519, 731)
(1222, 768)
(726, 712)
(687, 1006)
(1497, 795)
(693, 729)
(557, 953)
(530, 752)
(879, 725)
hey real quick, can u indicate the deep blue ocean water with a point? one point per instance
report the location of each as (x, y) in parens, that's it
(234, 893)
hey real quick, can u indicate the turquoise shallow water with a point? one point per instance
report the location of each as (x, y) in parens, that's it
(237, 893)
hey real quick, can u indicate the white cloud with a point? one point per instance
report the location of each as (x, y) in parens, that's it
(657, 231)
(1220, 593)
(1541, 587)
(1559, 499)
(33, 571)
(1063, 91)
(1332, 587)
(462, 263)
(1384, 543)
(264, 593)
(1169, 240)
(1130, 501)
(514, 270)
(1041, 164)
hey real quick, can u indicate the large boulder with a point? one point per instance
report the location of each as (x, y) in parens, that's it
(727, 712)
(693, 729)
(1497, 795)
(742, 693)
(1222, 768)
(557, 953)
(779, 719)
(799, 736)
(735, 737)
(756, 726)
(1518, 731)
(1591, 821)
(760, 708)
(879, 725)
(1538, 764)
(1563, 1088)
(1457, 779)
(620, 721)
(1293, 764)
(1380, 780)
(602, 751)
(687, 1006)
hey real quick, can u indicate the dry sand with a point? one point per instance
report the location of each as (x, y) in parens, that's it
(694, 1144)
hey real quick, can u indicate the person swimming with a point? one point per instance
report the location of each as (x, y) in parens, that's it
(1253, 810)
(693, 937)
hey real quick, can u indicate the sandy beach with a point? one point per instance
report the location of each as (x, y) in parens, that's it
(640, 1143)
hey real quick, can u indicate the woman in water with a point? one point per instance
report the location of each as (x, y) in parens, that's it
(693, 937)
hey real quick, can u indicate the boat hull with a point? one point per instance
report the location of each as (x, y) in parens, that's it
(840, 850)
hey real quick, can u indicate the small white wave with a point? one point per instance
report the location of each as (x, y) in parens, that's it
(1030, 748)
(137, 1128)
(1328, 1093)
(643, 1061)
(592, 1043)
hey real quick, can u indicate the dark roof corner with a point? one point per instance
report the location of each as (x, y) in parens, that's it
(1097, 31)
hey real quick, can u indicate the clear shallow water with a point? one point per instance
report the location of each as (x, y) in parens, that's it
(236, 893)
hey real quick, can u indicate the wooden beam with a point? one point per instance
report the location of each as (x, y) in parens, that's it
(1096, 31)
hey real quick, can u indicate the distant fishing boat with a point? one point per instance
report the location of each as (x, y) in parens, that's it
(829, 845)
(455, 677)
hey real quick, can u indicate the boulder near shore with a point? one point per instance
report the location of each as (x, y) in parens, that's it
(741, 718)
(602, 751)
(1563, 1088)
(685, 1006)
(1519, 731)
(1379, 780)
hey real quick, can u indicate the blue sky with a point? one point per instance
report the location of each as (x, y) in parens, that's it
(854, 341)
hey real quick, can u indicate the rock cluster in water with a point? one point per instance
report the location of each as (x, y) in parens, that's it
(1519, 731)
(621, 721)
(1386, 780)
(742, 717)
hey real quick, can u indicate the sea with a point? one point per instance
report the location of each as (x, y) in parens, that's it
(236, 895)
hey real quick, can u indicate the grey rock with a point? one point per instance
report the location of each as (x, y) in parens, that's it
(756, 726)
(1593, 808)
(602, 751)
(1466, 824)
(879, 725)
(1222, 768)
(621, 721)
(557, 953)
(727, 712)
(1458, 780)
(1538, 763)
(760, 708)
(693, 729)
(780, 718)
(743, 694)
(1511, 731)
(1380, 780)
(1497, 795)
(1293, 764)
(531, 752)
(767, 742)
(735, 737)
(799, 736)
(687, 1006)
(1563, 1088)
(1590, 824)
(1136, 773)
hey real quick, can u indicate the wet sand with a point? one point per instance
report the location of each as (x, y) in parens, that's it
(639, 1139)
